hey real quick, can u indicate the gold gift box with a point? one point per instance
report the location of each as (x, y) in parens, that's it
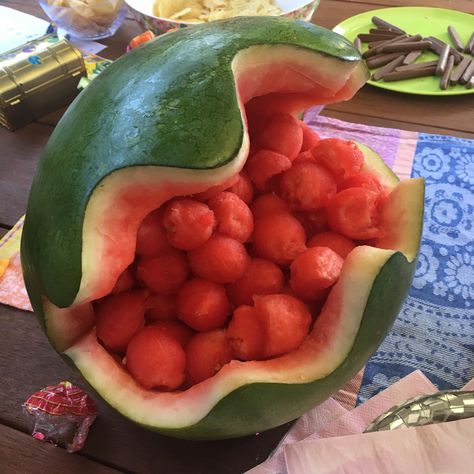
(37, 78)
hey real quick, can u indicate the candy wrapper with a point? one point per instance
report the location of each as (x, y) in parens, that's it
(62, 414)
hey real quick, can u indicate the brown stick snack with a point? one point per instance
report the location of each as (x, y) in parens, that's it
(368, 37)
(383, 31)
(459, 71)
(372, 52)
(470, 84)
(399, 75)
(444, 82)
(443, 60)
(455, 39)
(408, 46)
(385, 24)
(381, 60)
(412, 57)
(470, 45)
(397, 40)
(468, 73)
(374, 44)
(413, 67)
(383, 71)
(437, 47)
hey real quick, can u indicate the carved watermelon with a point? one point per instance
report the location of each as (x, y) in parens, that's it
(177, 117)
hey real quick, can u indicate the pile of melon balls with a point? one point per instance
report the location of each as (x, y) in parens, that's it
(241, 271)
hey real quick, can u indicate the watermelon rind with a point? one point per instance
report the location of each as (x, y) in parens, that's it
(168, 119)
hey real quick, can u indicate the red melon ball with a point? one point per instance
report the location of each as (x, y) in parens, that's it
(363, 179)
(314, 270)
(285, 321)
(203, 304)
(312, 221)
(156, 359)
(245, 334)
(279, 238)
(268, 204)
(188, 223)
(282, 134)
(243, 188)
(119, 317)
(164, 274)
(151, 236)
(336, 242)
(307, 186)
(265, 165)
(354, 213)
(126, 281)
(221, 259)
(343, 158)
(217, 189)
(161, 307)
(303, 157)
(261, 278)
(310, 137)
(206, 353)
(233, 216)
(175, 329)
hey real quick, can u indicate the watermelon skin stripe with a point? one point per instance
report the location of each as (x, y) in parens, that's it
(178, 108)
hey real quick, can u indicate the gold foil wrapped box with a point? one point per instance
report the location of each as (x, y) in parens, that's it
(37, 78)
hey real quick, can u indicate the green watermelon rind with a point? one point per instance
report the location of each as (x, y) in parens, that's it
(249, 408)
(198, 125)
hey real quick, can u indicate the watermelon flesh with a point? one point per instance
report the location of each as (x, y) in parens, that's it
(248, 353)
(217, 230)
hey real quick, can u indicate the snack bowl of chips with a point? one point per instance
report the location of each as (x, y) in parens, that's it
(161, 16)
(86, 19)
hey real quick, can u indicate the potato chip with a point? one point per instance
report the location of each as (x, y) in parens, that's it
(172, 9)
(210, 10)
(88, 15)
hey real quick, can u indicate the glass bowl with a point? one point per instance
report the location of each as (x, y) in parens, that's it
(143, 11)
(96, 19)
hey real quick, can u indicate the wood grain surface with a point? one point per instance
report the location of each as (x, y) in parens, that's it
(27, 361)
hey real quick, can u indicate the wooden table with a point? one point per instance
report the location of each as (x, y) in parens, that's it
(27, 361)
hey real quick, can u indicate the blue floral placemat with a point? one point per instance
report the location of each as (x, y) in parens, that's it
(434, 331)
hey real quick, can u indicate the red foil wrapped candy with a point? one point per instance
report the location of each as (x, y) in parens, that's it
(62, 414)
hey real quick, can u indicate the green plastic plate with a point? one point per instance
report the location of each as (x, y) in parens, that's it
(425, 21)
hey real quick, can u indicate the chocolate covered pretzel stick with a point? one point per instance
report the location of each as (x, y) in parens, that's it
(399, 75)
(444, 82)
(384, 31)
(383, 71)
(455, 39)
(372, 52)
(443, 60)
(369, 37)
(397, 39)
(381, 60)
(470, 45)
(468, 73)
(412, 57)
(412, 67)
(459, 71)
(385, 24)
(407, 46)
